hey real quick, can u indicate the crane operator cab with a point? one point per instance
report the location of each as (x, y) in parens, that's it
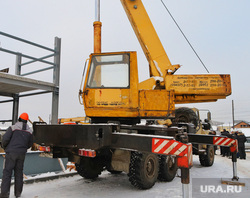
(111, 91)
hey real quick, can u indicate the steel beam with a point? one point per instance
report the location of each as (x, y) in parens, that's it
(25, 41)
(200, 139)
(44, 57)
(26, 56)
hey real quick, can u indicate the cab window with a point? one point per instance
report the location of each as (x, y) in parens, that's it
(109, 71)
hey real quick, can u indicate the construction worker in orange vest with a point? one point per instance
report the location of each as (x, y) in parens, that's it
(17, 139)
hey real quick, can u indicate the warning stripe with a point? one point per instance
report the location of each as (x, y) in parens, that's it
(160, 145)
(190, 157)
(168, 147)
(172, 148)
(180, 150)
(217, 140)
(222, 141)
(225, 142)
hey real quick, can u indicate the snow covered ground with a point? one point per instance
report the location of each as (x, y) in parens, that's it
(108, 185)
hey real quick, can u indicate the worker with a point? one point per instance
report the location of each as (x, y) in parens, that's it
(225, 150)
(241, 144)
(17, 139)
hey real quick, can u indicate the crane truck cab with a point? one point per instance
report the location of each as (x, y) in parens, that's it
(112, 91)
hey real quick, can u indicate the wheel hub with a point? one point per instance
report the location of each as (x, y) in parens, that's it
(150, 167)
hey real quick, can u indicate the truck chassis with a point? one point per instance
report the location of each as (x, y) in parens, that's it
(146, 153)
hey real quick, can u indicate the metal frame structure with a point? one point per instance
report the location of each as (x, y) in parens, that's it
(15, 85)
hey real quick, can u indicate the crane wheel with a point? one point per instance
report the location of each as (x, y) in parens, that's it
(186, 115)
(208, 158)
(89, 168)
(143, 170)
(168, 168)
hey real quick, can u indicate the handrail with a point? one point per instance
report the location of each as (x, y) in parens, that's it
(26, 41)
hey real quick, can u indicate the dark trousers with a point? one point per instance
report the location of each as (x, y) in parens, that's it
(242, 152)
(221, 150)
(225, 151)
(13, 161)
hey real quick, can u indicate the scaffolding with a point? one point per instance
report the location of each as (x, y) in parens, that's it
(15, 86)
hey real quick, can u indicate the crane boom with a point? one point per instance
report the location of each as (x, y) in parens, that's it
(156, 55)
(188, 88)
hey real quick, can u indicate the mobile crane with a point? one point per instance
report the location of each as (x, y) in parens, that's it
(112, 90)
(116, 102)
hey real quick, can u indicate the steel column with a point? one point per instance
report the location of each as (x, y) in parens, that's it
(56, 80)
(15, 108)
(16, 96)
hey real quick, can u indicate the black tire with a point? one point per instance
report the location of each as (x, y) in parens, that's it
(186, 115)
(143, 170)
(89, 168)
(168, 168)
(208, 158)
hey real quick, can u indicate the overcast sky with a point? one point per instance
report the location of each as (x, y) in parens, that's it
(218, 30)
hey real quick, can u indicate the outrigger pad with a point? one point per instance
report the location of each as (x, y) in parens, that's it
(232, 182)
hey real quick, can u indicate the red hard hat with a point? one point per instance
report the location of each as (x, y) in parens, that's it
(24, 116)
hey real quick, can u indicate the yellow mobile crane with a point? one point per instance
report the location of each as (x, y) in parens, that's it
(112, 90)
(116, 101)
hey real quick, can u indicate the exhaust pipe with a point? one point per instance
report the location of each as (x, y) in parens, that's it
(97, 29)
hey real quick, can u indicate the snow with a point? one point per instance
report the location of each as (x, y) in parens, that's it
(108, 185)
